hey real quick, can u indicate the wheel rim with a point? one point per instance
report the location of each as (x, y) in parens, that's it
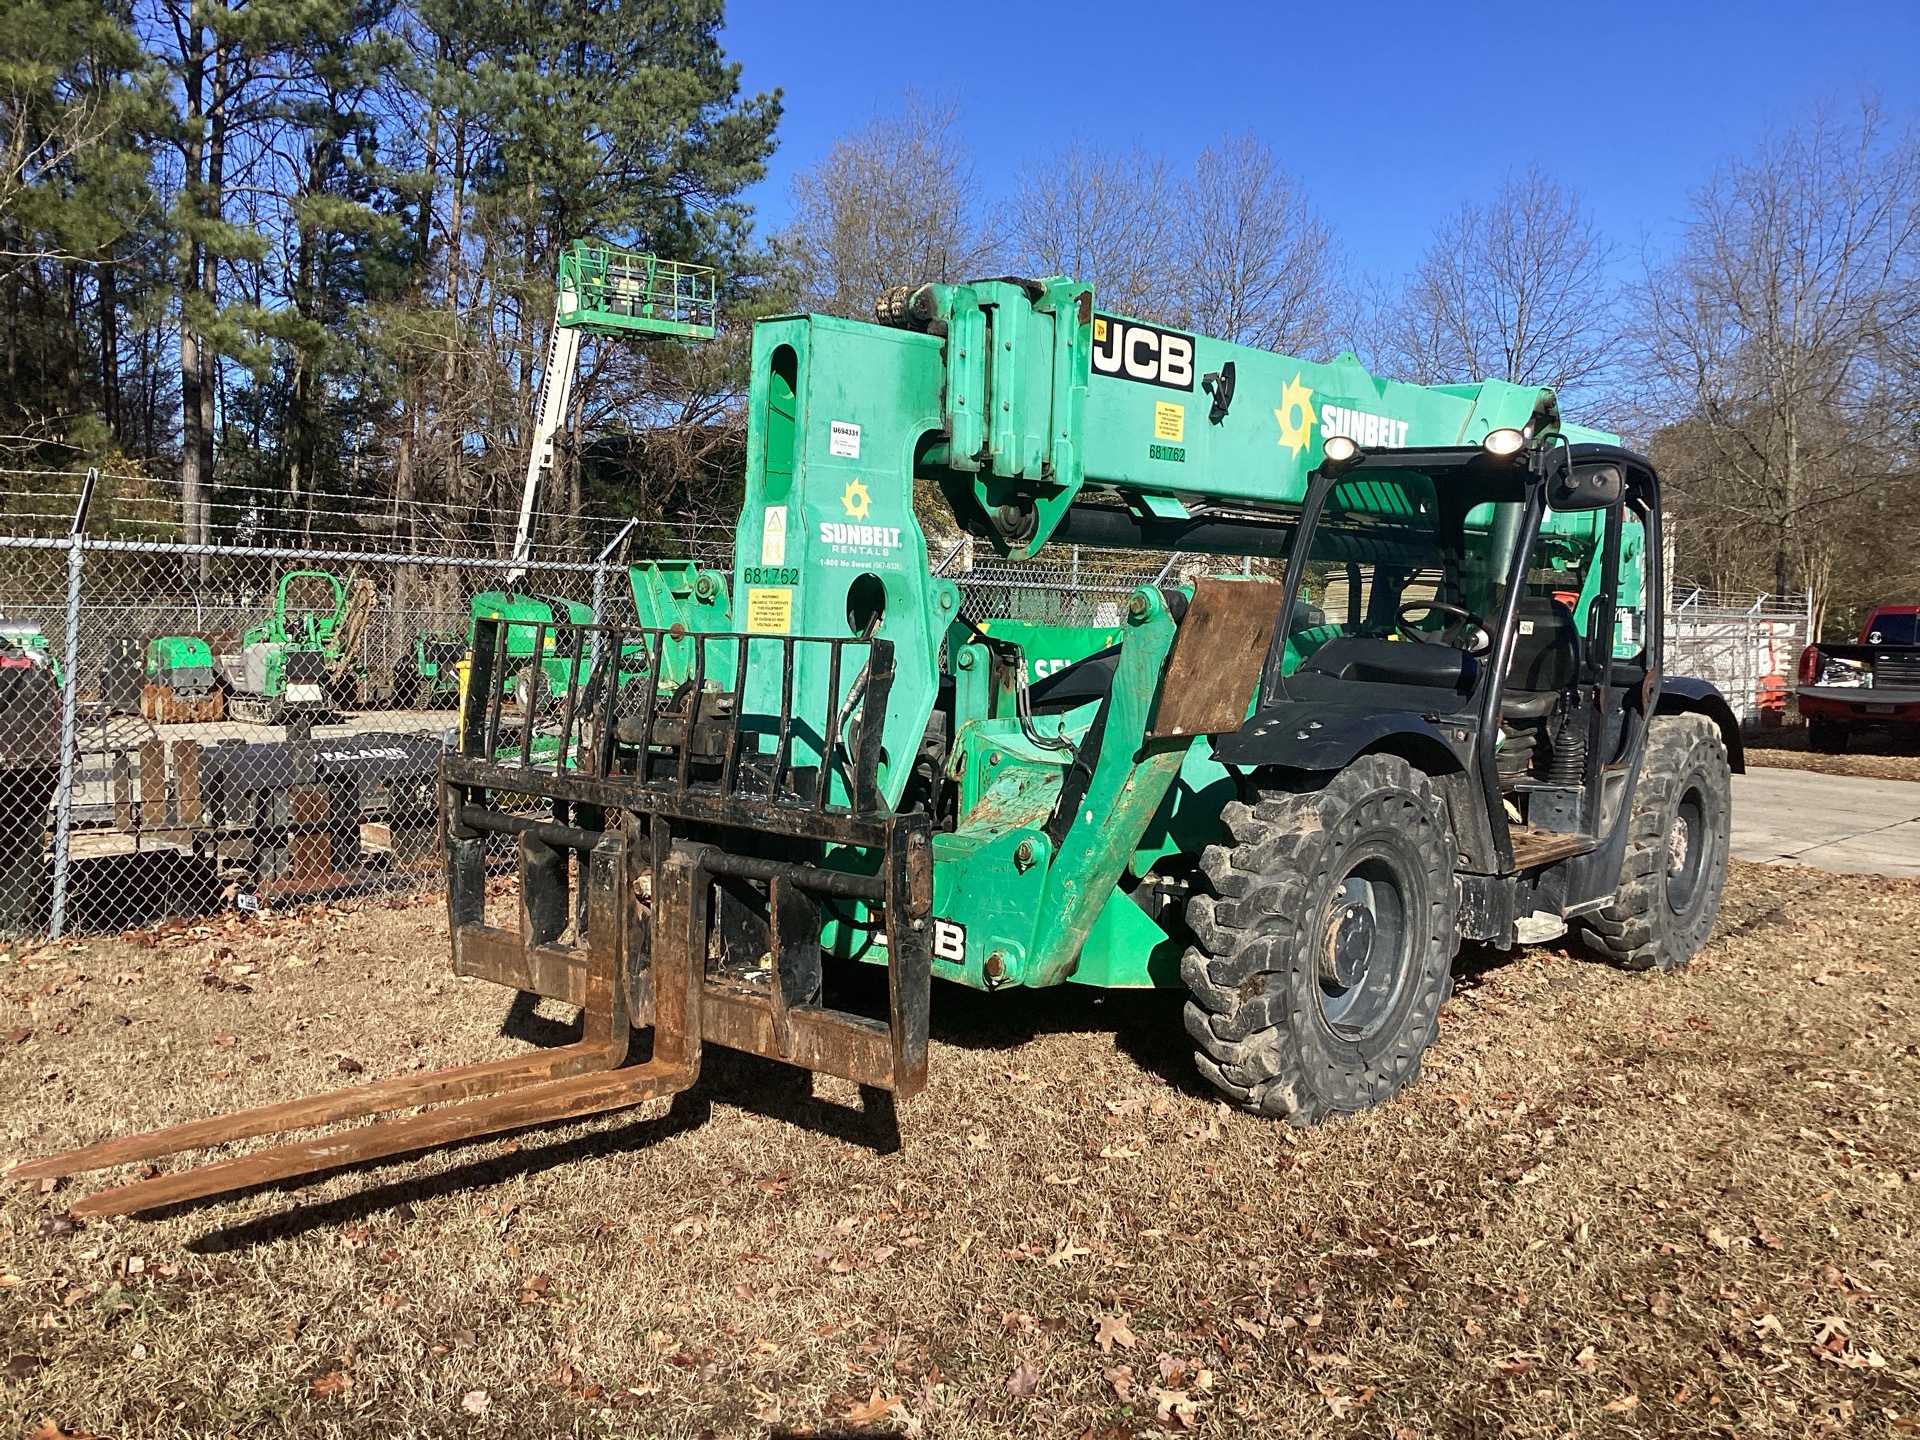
(1686, 851)
(1365, 950)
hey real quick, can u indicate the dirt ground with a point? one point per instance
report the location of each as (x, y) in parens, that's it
(1875, 754)
(1616, 1204)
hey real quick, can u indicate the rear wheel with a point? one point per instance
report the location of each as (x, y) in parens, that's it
(1676, 861)
(1826, 735)
(1324, 939)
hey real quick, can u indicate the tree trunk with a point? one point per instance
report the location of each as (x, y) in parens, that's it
(106, 299)
(193, 159)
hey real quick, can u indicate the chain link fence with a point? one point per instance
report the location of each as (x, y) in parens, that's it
(1748, 648)
(189, 729)
(220, 727)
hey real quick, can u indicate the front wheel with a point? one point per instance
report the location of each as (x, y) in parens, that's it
(1325, 936)
(1676, 860)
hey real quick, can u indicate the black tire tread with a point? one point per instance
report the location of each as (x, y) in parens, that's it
(1637, 931)
(1247, 928)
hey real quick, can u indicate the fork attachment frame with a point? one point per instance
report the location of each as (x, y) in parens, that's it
(699, 915)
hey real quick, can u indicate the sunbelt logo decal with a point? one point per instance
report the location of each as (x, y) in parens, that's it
(844, 539)
(1295, 415)
(1297, 419)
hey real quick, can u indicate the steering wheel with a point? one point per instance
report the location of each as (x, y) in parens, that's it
(1482, 638)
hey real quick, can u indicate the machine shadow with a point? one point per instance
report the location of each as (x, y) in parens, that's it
(1147, 1027)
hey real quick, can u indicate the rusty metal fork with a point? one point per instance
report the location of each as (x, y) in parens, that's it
(495, 1095)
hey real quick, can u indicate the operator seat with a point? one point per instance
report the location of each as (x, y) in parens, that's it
(1545, 663)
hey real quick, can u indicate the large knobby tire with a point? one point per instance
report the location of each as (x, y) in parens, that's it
(1676, 861)
(1325, 936)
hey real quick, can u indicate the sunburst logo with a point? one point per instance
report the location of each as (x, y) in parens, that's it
(856, 500)
(1296, 416)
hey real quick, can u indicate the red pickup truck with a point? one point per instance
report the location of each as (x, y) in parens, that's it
(1876, 681)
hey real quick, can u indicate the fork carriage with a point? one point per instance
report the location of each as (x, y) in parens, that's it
(707, 831)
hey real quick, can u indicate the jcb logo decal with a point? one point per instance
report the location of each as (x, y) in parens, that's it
(1130, 351)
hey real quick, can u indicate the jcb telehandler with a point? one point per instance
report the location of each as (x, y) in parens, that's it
(1294, 798)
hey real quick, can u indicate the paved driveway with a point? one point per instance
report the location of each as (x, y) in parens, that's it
(1831, 822)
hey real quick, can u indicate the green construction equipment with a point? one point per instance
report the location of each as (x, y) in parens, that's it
(601, 291)
(428, 675)
(179, 682)
(522, 624)
(1444, 717)
(302, 660)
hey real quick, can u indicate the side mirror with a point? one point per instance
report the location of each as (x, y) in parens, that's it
(1585, 487)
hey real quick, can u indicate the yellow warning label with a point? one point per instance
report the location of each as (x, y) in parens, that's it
(1169, 421)
(1100, 329)
(769, 612)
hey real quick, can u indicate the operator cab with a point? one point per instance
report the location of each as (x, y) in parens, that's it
(1497, 603)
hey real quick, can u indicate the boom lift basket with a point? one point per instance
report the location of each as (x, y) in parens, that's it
(622, 292)
(714, 840)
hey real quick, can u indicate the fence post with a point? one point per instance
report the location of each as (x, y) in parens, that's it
(69, 710)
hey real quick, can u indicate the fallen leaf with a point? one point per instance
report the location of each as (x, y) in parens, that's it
(1344, 1405)
(474, 1402)
(1120, 1377)
(347, 1065)
(1112, 1330)
(331, 1385)
(1024, 1380)
(875, 1407)
(1625, 1405)
(59, 1224)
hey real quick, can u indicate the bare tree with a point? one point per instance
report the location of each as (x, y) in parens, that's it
(1776, 331)
(1249, 260)
(895, 202)
(1101, 217)
(1517, 289)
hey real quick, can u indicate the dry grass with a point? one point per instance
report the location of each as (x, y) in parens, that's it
(1617, 1205)
(1890, 754)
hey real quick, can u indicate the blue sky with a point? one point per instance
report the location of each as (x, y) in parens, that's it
(1392, 114)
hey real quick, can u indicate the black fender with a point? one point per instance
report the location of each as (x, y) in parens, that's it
(1296, 735)
(1305, 735)
(1686, 695)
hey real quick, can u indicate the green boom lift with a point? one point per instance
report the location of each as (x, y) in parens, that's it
(1289, 798)
(600, 291)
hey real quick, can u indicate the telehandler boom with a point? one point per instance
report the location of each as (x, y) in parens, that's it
(1293, 798)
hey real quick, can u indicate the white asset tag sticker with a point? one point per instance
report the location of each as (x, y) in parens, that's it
(843, 439)
(773, 536)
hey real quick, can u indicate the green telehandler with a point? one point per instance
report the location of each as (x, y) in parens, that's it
(1290, 798)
